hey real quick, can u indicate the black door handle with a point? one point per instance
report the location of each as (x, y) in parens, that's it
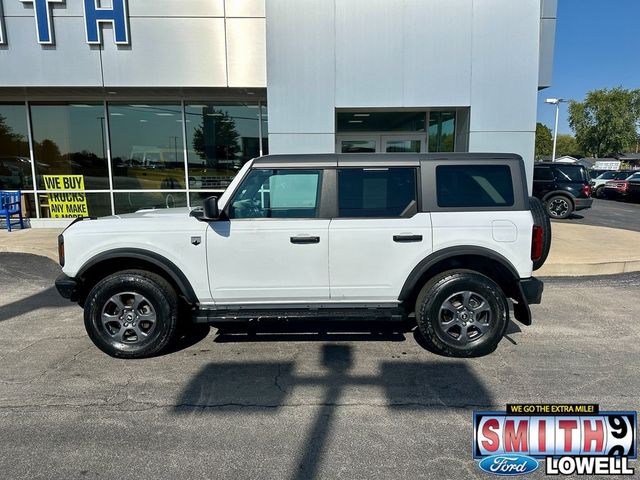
(407, 238)
(305, 240)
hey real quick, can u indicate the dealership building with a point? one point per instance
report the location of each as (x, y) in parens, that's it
(151, 103)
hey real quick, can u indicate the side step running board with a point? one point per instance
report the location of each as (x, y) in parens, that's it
(219, 316)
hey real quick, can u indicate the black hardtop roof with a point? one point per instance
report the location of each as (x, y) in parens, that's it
(335, 159)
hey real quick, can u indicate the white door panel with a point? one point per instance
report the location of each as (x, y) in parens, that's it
(255, 261)
(367, 264)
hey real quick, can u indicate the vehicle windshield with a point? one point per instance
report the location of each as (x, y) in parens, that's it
(622, 176)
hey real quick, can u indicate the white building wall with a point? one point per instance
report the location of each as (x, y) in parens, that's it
(328, 54)
(504, 77)
(301, 44)
(185, 43)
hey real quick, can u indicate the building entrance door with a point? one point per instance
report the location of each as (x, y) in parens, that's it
(381, 143)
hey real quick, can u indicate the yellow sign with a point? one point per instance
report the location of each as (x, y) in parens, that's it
(66, 205)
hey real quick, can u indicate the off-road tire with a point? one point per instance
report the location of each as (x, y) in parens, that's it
(559, 198)
(159, 294)
(439, 289)
(541, 219)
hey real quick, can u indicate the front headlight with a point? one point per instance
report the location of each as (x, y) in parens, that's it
(61, 250)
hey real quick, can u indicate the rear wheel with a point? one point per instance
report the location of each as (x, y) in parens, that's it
(599, 193)
(541, 219)
(559, 207)
(131, 314)
(462, 313)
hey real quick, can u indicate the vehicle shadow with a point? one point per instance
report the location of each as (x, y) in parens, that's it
(18, 270)
(314, 331)
(49, 298)
(243, 387)
(188, 336)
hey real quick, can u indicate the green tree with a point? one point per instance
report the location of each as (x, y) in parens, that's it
(606, 122)
(635, 102)
(544, 141)
(11, 143)
(216, 138)
(567, 145)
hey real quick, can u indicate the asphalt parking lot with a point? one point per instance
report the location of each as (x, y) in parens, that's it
(289, 405)
(609, 213)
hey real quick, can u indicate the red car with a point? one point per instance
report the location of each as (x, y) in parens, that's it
(619, 186)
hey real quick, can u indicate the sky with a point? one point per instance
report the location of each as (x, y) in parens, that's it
(597, 46)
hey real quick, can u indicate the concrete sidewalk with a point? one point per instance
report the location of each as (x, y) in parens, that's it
(39, 241)
(577, 250)
(580, 250)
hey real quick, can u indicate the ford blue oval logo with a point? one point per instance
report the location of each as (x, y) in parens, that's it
(508, 464)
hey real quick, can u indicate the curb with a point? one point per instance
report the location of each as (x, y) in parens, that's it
(588, 269)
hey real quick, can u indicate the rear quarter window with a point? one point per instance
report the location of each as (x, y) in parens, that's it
(474, 186)
(571, 174)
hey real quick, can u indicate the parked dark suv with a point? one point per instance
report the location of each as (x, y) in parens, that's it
(564, 188)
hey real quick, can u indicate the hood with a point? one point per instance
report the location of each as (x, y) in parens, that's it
(154, 213)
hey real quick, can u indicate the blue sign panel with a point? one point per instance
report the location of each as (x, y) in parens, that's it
(44, 23)
(117, 15)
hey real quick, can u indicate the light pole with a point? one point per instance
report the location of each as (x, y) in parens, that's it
(556, 102)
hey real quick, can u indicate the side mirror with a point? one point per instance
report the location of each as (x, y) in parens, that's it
(211, 210)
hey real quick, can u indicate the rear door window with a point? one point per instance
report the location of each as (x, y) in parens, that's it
(542, 174)
(474, 186)
(377, 192)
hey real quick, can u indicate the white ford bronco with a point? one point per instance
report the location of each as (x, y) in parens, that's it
(446, 239)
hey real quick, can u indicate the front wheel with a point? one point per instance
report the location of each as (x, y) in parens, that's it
(462, 313)
(131, 314)
(559, 207)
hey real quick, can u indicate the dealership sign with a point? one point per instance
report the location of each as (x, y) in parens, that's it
(568, 438)
(94, 15)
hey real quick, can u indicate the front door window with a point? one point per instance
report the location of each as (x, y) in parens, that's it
(283, 193)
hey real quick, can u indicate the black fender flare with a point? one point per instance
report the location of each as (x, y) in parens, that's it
(164, 264)
(521, 307)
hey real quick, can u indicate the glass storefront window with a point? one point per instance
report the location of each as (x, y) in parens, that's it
(358, 146)
(221, 138)
(442, 129)
(126, 202)
(71, 143)
(147, 148)
(71, 205)
(29, 205)
(381, 121)
(15, 162)
(265, 130)
(402, 146)
(68, 139)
